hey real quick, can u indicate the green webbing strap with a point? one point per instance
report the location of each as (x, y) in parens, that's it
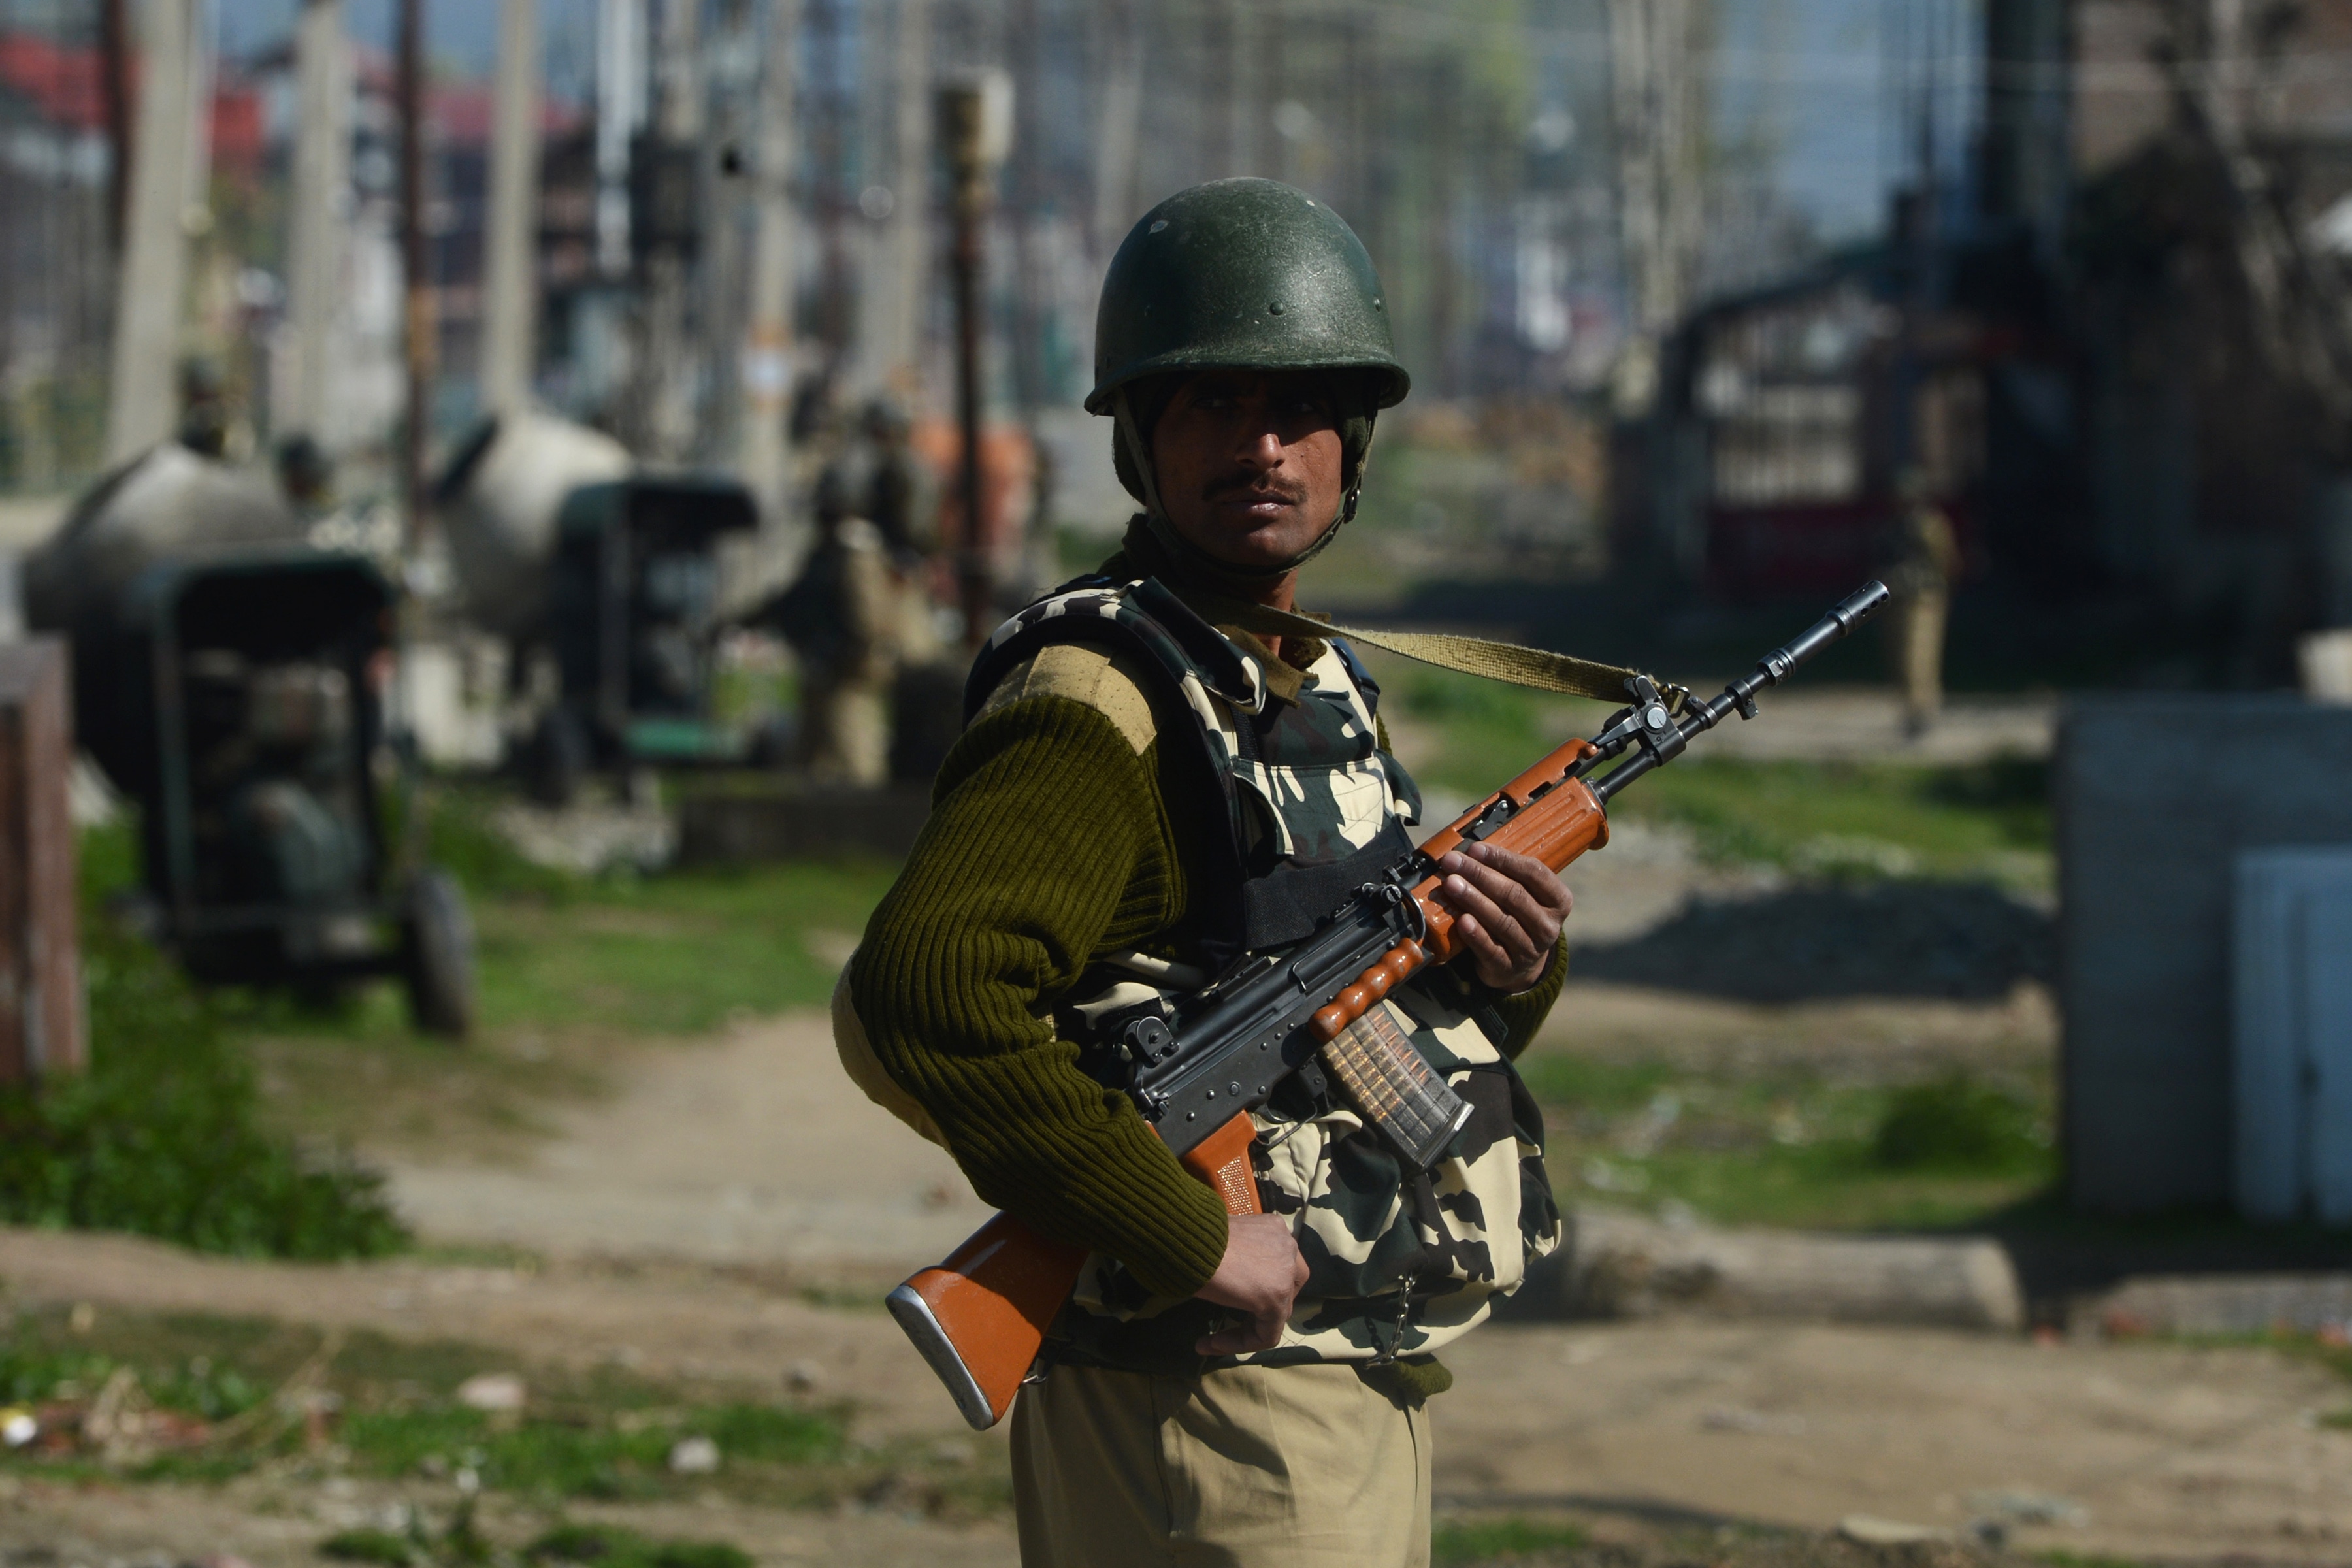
(1529, 667)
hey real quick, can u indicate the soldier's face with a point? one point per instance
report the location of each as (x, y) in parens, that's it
(1248, 464)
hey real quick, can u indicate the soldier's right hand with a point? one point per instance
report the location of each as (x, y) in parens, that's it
(1260, 1275)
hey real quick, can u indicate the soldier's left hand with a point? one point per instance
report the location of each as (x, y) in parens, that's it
(1508, 910)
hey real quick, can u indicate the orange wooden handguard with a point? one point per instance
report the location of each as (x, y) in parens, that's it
(1370, 985)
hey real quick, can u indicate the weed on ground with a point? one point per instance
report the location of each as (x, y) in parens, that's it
(1512, 1540)
(162, 1135)
(1781, 1145)
(207, 1399)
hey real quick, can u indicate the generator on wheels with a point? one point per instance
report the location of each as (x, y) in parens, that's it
(239, 699)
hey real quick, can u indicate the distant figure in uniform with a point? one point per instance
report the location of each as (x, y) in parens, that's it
(1923, 560)
(893, 483)
(204, 412)
(841, 617)
(306, 476)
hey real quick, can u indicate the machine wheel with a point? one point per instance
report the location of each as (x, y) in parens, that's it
(438, 954)
(558, 758)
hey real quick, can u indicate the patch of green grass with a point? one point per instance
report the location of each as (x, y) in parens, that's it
(568, 1456)
(677, 954)
(1472, 1543)
(391, 1411)
(1856, 818)
(2063, 1558)
(1956, 1124)
(161, 1135)
(1837, 819)
(1788, 1147)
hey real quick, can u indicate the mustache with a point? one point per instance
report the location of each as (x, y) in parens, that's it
(1262, 486)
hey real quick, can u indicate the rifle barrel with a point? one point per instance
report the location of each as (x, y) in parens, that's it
(1770, 670)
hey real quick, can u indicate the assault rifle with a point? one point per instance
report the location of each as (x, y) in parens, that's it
(1197, 1069)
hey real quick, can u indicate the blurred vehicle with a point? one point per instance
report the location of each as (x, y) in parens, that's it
(632, 615)
(238, 700)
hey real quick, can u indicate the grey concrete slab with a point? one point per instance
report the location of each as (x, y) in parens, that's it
(2155, 796)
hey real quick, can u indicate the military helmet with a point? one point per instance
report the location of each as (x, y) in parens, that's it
(1242, 274)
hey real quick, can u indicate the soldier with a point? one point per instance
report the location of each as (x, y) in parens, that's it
(895, 501)
(1924, 558)
(1144, 783)
(841, 617)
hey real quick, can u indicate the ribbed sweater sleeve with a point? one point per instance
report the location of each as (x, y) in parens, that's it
(1524, 1014)
(1046, 843)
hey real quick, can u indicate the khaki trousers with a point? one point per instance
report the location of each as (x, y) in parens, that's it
(844, 738)
(1296, 1467)
(1917, 632)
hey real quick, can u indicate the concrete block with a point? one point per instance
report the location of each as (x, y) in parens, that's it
(800, 823)
(2156, 797)
(2292, 1043)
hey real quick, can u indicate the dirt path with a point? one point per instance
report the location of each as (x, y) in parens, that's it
(268, 1522)
(753, 1146)
(2166, 1450)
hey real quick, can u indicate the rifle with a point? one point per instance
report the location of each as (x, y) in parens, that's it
(1197, 1069)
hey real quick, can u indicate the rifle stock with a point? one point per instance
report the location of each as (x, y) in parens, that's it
(980, 1318)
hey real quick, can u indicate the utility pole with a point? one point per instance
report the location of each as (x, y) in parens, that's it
(767, 357)
(114, 81)
(419, 321)
(511, 303)
(666, 397)
(152, 274)
(910, 262)
(322, 99)
(620, 111)
(1119, 132)
(976, 126)
(1659, 213)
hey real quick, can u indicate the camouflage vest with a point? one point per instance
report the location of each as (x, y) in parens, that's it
(1400, 1262)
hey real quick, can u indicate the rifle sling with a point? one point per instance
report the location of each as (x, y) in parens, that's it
(1535, 667)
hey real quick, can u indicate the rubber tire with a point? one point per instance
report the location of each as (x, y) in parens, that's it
(437, 957)
(558, 758)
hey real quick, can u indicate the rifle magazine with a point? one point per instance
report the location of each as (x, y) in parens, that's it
(1391, 1087)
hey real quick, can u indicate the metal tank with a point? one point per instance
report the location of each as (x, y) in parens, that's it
(496, 503)
(169, 503)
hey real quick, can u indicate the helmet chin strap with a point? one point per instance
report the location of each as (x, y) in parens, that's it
(1155, 515)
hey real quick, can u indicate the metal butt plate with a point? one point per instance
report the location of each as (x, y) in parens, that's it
(914, 1315)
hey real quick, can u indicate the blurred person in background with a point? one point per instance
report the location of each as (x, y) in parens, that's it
(1923, 562)
(1144, 783)
(842, 616)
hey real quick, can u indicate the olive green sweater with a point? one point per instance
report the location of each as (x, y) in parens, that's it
(1052, 841)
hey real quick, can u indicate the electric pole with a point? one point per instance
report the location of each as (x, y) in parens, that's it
(1118, 134)
(976, 125)
(419, 321)
(510, 302)
(152, 271)
(322, 99)
(666, 399)
(114, 81)
(910, 260)
(767, 357)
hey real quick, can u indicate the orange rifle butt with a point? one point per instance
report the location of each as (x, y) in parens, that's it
(980, 1318)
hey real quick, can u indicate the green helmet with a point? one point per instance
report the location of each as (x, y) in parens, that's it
(1242, 274)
